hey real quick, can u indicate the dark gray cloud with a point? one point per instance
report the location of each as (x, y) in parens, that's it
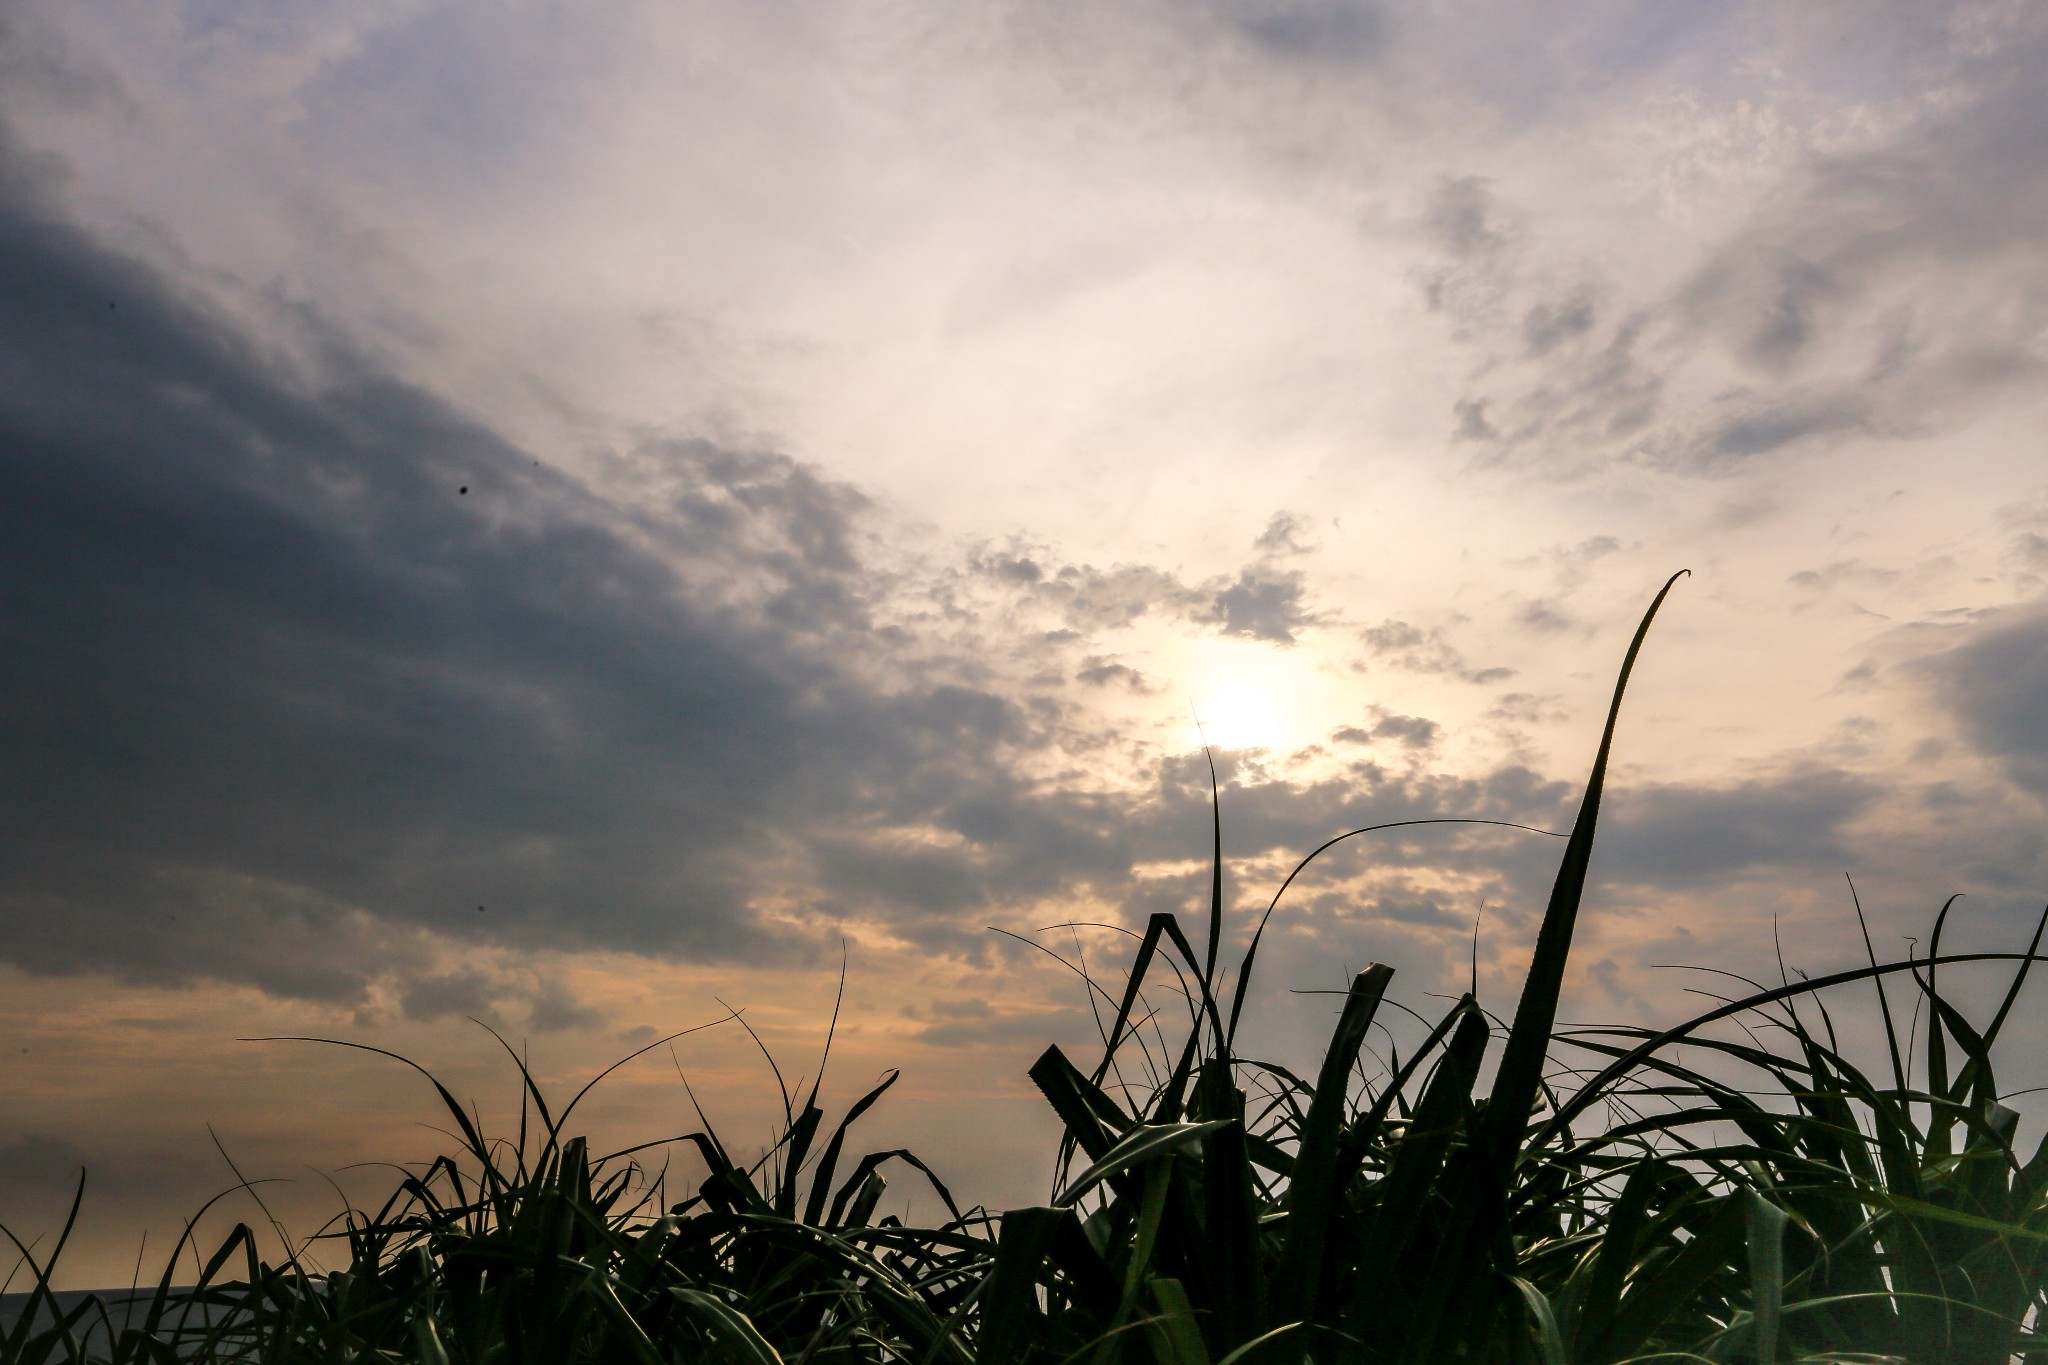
(1679, 836)
(1097, 671)
(1463, 219)
(1415, 733)
(2026, 550)
(1088, 599)
(1261, 601)
(1524, 708)
(1324, 30)
(1263, 604)
(1472, 424)
(1843, 573)
(1409, 647)
(1995, 685)
(1285, 534)
(461, 993)
(1544, 615)
(307, 670)
(1568, 377)
(38, 1161)
(298, 667)
(1743, 425)
(1550, 323)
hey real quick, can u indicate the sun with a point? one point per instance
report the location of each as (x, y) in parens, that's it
(1237, 713)
(1248, 694)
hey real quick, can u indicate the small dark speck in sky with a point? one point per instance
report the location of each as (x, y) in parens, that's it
(463, 489)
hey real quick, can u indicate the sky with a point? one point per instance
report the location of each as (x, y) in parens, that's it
(575, 518)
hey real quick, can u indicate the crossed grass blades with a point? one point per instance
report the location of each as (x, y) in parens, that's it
(1751, 1196)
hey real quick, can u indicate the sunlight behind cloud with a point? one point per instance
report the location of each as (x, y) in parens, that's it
(1241, 694)
(1237, 714)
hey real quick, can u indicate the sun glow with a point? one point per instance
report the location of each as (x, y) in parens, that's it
(1242, 694)
(1238, 714)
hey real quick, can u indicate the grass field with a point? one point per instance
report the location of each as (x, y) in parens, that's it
(1736, 1188)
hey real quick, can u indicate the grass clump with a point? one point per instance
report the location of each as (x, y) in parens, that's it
(1733, 1189)
(534, 1249)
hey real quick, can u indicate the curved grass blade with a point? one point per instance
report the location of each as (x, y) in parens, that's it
(743, 1342)
(1138, 1146)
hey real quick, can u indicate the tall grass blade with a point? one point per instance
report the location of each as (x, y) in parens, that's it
(1229, 1218)
(821, 1179)
(1521, 1065)
(1311, 1194)
(1176, 1340)
(1767, 1224)
(1009, 1305)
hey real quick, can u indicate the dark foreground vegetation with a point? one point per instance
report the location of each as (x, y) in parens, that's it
(1734, 1189)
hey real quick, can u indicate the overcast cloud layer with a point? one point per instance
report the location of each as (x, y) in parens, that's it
(488, 495)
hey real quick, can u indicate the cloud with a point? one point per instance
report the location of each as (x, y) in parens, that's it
(2025, 557)
(308, 667)
(1088, 599)
(1995, 685)
(1838, 573)
(1409, 647)
(1550, 323)
(1261, 601)
(1567, 382)
(461, 993)
(544, 1004)
(552, 1007)
(1544, 615)
(1691, 835)
(1311, 30)
(1414, 733)
(35, 1161)
(1928, 226)
(35, 60)
(302, 665)
(283, 704)
(1883, 285)
(1524, 708)
(1097, 671)
(1262, 604)
(1284, 535)
(1463, 219)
